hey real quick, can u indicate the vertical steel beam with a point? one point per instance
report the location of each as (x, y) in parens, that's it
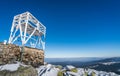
(21, 24)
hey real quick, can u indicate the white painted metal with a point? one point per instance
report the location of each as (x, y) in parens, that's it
(29, 30)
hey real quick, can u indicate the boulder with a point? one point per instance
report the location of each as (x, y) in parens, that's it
(69, 67)
(21, 71)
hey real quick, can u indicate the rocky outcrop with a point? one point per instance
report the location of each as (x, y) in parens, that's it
(10, 53)
(33, 56)
(21, 71)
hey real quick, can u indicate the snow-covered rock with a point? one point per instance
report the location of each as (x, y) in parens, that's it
(69, 67)
(51, 70)
(10, 67)
(72, 73)
(17, 69)
(47, 70)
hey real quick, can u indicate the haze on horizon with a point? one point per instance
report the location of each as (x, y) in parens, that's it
(75, 28)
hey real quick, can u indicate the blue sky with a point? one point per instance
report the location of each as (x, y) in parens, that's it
(75, 28)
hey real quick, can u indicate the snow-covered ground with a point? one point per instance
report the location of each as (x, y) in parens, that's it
(47, 70)
(52, 70)
(10, 67)
(89, 72)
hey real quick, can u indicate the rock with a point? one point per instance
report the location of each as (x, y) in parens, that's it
(59, 66)
(10, 53)
(69, 67)
(21, 71)
(32, 56)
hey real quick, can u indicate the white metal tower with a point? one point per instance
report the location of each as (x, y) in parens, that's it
(26, 30)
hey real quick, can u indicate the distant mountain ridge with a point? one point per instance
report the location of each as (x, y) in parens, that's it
(113, 59)
(102, 64)
(81, 59)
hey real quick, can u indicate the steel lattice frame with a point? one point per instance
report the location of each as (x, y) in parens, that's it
(30, 31)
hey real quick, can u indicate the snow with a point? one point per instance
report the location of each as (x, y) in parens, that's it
(73, 74)
(119, 70)
(10, 67)
(47, 70)
(69, 67)
(51, 70)
(109, 63)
